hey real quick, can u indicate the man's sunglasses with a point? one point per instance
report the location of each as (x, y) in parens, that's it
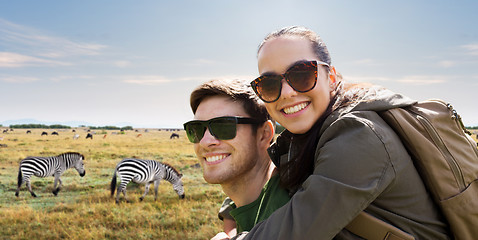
(302, 77)
(222, 128)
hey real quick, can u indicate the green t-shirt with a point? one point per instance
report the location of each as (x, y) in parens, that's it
(272, 197)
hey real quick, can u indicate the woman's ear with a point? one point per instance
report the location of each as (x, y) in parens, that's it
(332, 75)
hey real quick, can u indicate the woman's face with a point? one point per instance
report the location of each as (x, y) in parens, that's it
(295, 111)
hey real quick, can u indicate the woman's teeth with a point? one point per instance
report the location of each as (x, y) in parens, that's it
(296, 108)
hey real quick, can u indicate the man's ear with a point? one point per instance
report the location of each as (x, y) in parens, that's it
(267, 132)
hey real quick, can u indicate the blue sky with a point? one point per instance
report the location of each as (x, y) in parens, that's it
(136, 62)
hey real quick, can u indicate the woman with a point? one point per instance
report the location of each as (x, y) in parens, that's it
(337, 156)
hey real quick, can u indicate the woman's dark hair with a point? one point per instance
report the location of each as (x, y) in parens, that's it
(318, 45)
(301, 166)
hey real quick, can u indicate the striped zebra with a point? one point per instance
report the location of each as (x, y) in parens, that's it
(49, 166)
(145, 172)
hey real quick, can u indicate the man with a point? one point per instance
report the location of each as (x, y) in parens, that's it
(231, 132)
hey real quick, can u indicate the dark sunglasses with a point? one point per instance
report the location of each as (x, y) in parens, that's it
(222, 128)
(302, 77)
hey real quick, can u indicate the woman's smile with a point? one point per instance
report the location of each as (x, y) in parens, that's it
(296, 108)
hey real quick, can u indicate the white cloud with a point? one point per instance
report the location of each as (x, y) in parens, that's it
(415, 79)
(40, 48)
(64, 77)
(24, 79)
(9, 59)
(202, 62)
(422, 80)
(122, 63)
(17, 79)
(146, 80)
(247, 78)
(471, 48)
(157, 80)
(446, 64)
(366, 79)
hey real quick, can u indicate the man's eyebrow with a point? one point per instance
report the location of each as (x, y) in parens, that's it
(289, 67)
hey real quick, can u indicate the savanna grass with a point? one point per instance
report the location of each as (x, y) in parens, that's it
(84, 208)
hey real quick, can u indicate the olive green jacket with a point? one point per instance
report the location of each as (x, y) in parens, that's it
(360, 164)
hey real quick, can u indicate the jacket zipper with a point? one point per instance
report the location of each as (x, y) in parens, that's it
(445, 152)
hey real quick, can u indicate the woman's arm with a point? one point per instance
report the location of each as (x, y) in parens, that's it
(352, 168)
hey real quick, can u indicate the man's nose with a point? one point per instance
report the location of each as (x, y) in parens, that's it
(208, 139)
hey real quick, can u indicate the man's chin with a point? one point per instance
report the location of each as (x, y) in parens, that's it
(214, 179)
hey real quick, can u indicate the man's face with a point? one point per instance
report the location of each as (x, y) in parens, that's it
(225, 161)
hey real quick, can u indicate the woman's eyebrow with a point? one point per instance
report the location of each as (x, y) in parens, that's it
(289, 67)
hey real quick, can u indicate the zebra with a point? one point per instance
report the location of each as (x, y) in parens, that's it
(145, 172)
(49, 166)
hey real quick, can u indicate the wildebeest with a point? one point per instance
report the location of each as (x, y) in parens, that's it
(44, 134)
(28, 131)
(5, 131)
(89, 135)
(54, 133)
(174, 135)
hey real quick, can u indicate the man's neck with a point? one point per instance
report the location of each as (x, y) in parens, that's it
(248, 188)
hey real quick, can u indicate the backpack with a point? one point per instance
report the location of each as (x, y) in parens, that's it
(446, 158)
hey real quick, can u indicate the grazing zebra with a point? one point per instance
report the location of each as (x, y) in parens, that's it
(145, 172)
(49, 166)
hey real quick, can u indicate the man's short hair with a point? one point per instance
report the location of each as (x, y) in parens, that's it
(238, 90)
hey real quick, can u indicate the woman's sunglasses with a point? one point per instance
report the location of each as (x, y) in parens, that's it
(302, 77)
(222, 128)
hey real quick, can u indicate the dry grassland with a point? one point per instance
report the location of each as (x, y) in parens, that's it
(84, 208)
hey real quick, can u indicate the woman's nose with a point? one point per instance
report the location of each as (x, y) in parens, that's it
(287, 90)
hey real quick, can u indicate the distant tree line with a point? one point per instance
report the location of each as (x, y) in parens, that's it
(55, 126)
(474, 127)
(59, 126)
(111, 128)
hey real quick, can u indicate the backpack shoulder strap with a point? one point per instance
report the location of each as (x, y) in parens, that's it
(372, 228)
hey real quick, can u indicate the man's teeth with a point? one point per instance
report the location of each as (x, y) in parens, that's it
(295, 108)
(216, 158)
